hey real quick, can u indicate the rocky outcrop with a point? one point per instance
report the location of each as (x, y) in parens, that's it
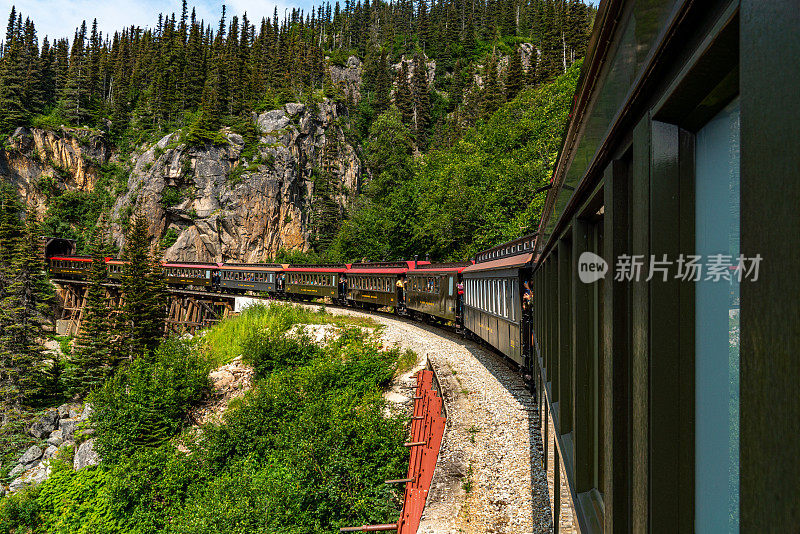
(86, 456)
(57, 427)
(219, 204)
(236, 201)
(41, 163)
(348, 77)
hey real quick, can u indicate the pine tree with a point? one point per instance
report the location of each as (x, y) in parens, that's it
(23, 309)
(492, 91)
(92, 358)
(382, 84)
(141, 323)
(515, 76)
(422, 102)
(76, 96)
(13, 111)
(205, 129)
(468, 37)
(403, 97)
(10, 227)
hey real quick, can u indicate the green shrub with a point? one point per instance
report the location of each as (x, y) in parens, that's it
(20, 512)
(77, 502)
(172, 196)
(49, 121)
(145, 403)
(306, 451)
(170, 238)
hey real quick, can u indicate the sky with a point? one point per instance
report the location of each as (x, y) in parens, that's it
(59, 18)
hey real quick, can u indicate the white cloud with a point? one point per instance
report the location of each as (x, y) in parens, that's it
(60, 18)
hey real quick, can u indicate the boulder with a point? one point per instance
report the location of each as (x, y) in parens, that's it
(235, 139)
(49, 452)
(293, 108)
(56, 438)
(31, 455)
(33, 477)
(63, 411)
(45, 424)
(68, 427)
(73, 413)
(86, 456)
(273, 120)
(87, 412)
(17, 471)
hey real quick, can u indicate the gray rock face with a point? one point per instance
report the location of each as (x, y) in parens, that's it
(56, 438)
(74, 156)
(63, 411)
(35, 476)
(50, 452)
(86, 456)
(268, 203)
(45, 424)
(348, 77)
(224, 206)
(273, 120)
(293, 108)
(17, 471)
(68, 427)
(86, 414)
(31, 455)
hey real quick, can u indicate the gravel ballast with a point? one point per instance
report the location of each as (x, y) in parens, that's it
(488, 478)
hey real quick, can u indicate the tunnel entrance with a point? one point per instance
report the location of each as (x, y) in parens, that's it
(57, 246)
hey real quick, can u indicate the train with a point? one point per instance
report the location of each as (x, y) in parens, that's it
(481, 297)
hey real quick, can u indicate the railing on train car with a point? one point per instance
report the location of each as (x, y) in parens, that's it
(521, 245)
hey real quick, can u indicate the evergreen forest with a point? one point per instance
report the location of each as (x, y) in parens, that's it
(457, 118)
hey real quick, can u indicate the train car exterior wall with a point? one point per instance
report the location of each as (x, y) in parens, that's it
(492, 310)
(683, 141)
(372, 289)
(433, 293)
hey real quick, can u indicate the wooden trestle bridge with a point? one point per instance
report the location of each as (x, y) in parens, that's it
(188, 310)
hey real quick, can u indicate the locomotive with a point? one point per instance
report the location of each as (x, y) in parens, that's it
(489, 306)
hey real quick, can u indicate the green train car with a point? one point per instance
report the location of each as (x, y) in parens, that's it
(432, 290)
(308, 282)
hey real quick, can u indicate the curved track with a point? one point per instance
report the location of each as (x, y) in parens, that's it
(489, 476)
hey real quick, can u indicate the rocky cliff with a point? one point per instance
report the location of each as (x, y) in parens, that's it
(241, 201)
(41, 163)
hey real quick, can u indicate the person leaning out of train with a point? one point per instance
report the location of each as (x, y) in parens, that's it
(527, 297)
(400, 286)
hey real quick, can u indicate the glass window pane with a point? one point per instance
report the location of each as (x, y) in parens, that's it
(717, 326)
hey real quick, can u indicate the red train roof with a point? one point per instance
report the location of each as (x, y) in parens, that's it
(378, 270)
(253, 266)
(442, 267)
(192, 265)
(384, 267)
(331, 269)
(72, 258)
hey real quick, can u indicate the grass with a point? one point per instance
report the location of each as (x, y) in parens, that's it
(225, 341)
(467, 484)
(472, 431)
(407, 361)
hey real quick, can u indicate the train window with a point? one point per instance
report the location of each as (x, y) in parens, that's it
(450, 286)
